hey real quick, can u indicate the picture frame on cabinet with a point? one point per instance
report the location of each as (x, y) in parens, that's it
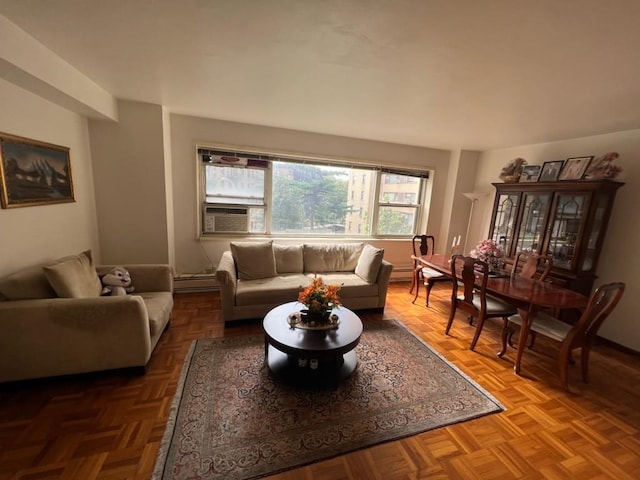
(550, 171)
(530, 173)
(574, 168)
(33, 172)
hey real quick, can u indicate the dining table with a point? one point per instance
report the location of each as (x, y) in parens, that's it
(527, 294)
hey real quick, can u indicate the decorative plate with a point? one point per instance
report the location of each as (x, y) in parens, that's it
(295, 321)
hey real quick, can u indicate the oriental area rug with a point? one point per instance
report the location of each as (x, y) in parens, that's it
(231, 420)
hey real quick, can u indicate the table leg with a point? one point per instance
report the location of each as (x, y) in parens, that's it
(266, 348)
(413, 280)
(525, 315)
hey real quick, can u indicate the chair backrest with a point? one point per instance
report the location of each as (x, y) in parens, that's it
(473, 278)
(601, 303)
(533, 265)
(423, 244)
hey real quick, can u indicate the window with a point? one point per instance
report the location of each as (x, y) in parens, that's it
(241, 186)
(398, 205)
(297, 196)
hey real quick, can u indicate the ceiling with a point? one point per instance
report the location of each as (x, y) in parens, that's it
(448, 74)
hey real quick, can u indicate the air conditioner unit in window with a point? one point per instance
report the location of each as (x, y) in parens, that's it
(225, 219)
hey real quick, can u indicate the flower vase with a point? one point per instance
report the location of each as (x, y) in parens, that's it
(315, 316)
(494, 264)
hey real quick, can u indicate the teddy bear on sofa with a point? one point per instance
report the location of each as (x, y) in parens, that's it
(116, 282)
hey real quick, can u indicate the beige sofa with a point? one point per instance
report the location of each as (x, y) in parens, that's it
(254, 277)
(54, 321)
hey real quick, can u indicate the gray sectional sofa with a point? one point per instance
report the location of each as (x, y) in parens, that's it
(254, 277)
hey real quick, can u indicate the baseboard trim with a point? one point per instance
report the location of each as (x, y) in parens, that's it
(616, 346)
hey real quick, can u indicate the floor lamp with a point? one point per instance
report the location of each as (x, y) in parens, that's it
(473, 196)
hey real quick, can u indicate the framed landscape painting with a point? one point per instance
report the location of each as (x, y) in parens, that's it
(33, 172)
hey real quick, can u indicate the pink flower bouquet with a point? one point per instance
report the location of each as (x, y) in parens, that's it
(487, 251)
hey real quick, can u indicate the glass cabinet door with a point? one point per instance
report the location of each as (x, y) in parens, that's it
(506, 213)
(534, 215)
(568, 216)
(592, 249)
(566, 220)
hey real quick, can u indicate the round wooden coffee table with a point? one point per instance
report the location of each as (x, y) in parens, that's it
(310, 356)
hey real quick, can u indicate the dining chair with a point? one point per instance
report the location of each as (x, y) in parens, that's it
(531, 265)
(420, 246)
(580, 335)
(475, 301)
(421, 274)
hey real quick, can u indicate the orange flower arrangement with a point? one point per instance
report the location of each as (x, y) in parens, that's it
(318, 297)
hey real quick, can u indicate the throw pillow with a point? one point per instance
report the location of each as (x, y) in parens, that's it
(369, 263)
(288, 258)
(254, 260)
(26, 284)
(74, 277)
(331, 257)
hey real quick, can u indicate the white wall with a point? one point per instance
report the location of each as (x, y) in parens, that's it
(26, 62)
(132, 187)
(187, 132)
(463, 165)
(168, 164)
(39, 233)
(619, 260)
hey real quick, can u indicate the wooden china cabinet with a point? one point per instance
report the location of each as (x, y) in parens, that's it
(564, 219)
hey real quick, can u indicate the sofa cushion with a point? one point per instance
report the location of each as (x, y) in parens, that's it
(159, 306)
(270, 291)
(74, 277)
(26, 284)
(289, 258)
(335, 257)
(351, 285)
(254, 260)
(369, 263)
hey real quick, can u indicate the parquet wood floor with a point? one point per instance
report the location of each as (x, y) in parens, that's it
(109, 426)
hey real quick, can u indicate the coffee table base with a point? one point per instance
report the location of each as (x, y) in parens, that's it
(299, 371)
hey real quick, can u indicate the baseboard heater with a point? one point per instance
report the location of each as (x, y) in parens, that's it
(195, 282)
(207, 282)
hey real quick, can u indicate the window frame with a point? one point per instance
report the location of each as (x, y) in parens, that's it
(375, 202)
